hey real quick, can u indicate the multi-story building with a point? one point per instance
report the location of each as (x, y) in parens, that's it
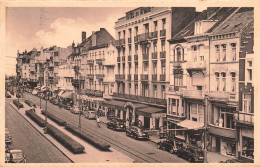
(205, 74)
(142, 68)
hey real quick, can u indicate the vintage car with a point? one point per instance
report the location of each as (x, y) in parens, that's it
(8, 138)
(192, 154)
(75, 109)
(90, 114)
(170, 145)
(17, 156)
(137, 132)
(116, 124)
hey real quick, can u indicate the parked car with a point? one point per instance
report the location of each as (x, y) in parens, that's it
(7, 95)
(192, 154)
(68, 107)
(18, 95)
(7, 150)
(8, 138)
(90, 114)
(75, 110)
(136, 132)
(232, 160)
(17, 156)
(29, 90)
(7, 157)
(170, 145)
(116, 124)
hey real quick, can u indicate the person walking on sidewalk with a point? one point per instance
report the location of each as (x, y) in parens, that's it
(98, 121)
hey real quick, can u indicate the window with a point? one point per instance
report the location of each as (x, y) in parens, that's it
(155, 46)
(129, 86)
(178, 54)
(201, 52)
(155, 25)
(154, 67)
(129, 68)
(217, 52)
(119, 35)
(124, 68)
(194, 53)
(163, 67)
(217, 81)
(136, 31)
(130, 50)
(136, 89)
(248, 147)
(233, 88)
(223, 81)
(250, 63)
(130, 32)
(123, 51)
(163, 23)
(233, 51)
(163, 45)
(163, 91)
(124, 34)
(178, 78)
(118, 68)
(247, 103)
(224, 49)
(155, 91)
(136, 49)
(146, 27)
(145, 68)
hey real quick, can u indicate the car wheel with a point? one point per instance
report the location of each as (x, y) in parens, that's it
(135, 137)
(163, 148)
(190, 159)
(159, 146)
(171, 151)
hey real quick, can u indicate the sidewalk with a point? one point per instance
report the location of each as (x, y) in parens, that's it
(90, 154)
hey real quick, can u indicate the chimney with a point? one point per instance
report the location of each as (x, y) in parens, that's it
(83, 36)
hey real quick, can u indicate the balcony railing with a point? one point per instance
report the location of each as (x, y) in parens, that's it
(222, 96)
(144, 77)
(162, 77)
(120, 76)
(221, 131)
(145, 57)
(129, 77)
(90, 76)
(177, 88)
(129, 58)
(136, 38)
(90, 62)
(155, 34)
(129, 40)
(99, 61)
(82, 78)
(194, 94)
(163, 54)
(154, 77)
(123, 58)
(120, 42)
(136, 58)
(141, 98)
(100, 76)
(175, 117)
(136, 77)
(196, 65)
(118, 59)
(154, 55)
(144, 37)
(244, 118)
(163, 33)
(75, 82)
(177, 64)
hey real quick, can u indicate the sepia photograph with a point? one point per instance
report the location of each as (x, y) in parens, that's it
(131, 84)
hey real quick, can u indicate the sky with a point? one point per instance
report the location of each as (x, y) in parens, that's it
(29, 27)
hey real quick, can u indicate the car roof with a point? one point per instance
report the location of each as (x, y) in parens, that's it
(16, 151)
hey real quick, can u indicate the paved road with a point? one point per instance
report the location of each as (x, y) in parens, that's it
(140, 151)
(36, 147)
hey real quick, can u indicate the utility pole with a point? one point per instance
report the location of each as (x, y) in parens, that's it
(78, 70)
(47, 93)
(205, 127)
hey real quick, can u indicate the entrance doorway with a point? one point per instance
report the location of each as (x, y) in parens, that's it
(146, 122)
(217, 144)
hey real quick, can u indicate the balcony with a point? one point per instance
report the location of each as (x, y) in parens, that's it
(144, 77)
(144, 37)
(136, 58)
(221, 131)
(196, 65)
(100, 76)
(242, 118)
(99, 61)
(176, 64)
(119, 76)
(141, 99)
(145, 57)
(177, 88)
(129, 40)
(154, 77)
(155, 34)
(123, 58)
(193, 94)
(82, 78)
(75, 82)
(120, 42)
(90, 62)
(219, 96)
(163, 54)
(162, 77)
(175, 117)
(136, 77)
(136, 38)
(129, 77)
(163, 33)
(154, 55)
(90, 76)
(118, 59)
(130, 58)
(51, 68)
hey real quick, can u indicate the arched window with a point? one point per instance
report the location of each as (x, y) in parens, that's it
(217, 81)
(178, 54)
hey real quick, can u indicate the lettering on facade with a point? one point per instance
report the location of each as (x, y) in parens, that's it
(138, 12)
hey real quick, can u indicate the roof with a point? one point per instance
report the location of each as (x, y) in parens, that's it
(115, 103)
(236, 22)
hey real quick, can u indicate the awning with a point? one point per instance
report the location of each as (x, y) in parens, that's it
(114, 104)
(149, 111)
(95, 98)
(67, 95)
(188, 124)
(60, 93)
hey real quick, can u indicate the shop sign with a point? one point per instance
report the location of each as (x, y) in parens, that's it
(158, 115)
(138, 12)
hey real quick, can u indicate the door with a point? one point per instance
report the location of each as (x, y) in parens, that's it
(146, 122)
(217, 144)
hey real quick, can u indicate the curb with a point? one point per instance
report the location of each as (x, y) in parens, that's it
(42, 134)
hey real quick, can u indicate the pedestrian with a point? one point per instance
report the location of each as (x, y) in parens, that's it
(220, 121)
(127, 122)
(98, 121)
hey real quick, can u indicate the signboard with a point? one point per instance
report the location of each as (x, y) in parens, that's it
(137, 12)
(158, 115)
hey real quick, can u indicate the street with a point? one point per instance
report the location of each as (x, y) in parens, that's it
(36, 147)
(140, 151)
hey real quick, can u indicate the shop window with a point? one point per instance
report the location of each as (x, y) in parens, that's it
(248, 147)
(228, 147)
